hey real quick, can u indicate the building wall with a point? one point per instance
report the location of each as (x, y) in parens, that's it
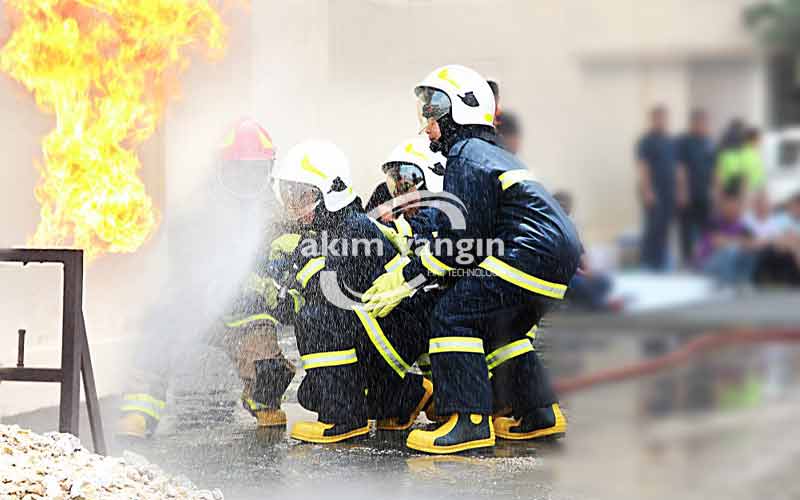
(581, 73)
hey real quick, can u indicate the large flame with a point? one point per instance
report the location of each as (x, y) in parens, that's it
(106, 69)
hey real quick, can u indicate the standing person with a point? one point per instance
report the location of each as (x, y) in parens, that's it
(510, 131)
(752, 163)
(728, 164)
(657, 161)
(695, 179)
(500, 297)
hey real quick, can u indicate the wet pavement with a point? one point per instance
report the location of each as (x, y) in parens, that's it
(701, 431)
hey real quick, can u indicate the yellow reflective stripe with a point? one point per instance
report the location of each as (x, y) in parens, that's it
(532, 332)
(264, 140)
(254, 405)
(444, 75)
(298, 299)
(143, 403)
(159, 403)
(381, 343)
(306, 165)
(330, 358)
(396, 263)
(308, 271)
(433, 264)
(141, 409)
(455, 344)
(508, 351)
(512, 177)
(522, 279)
(403, 227)
(251, 319)
(410, 150)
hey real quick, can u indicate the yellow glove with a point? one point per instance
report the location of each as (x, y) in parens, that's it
(386, 292)
(283, 245)
(264, 287)
(398, 241)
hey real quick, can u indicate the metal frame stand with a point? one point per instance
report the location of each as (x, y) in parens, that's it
(75, 357)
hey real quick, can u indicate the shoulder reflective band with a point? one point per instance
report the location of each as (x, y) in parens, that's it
(143, 403)
(381, 343)
(455, 344)
(403, 227)
(251, 319)
(433, 264)
(522, 279)
(532, 332)
(330, 358)
(311, 268)
(508, 351)
(512, 177)
(396, 263)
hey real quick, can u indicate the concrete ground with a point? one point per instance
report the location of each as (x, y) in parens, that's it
(652, 438)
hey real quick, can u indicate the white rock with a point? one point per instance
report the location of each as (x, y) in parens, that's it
(56, 466)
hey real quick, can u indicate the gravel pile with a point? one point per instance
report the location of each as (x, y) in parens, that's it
(56, 466)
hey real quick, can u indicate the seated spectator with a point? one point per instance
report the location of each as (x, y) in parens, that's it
(728, 251)
(761, 220)
(588, 289)
(779, 262)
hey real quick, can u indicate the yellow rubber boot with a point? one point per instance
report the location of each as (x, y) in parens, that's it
(133, 425)
(394, 423)
(324, 433)
(547, 422)
(271, 418)
(461, 432)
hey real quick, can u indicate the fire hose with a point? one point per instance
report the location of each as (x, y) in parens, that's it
(696, 347)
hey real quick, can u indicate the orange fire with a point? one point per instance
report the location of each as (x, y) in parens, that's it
(105, 69)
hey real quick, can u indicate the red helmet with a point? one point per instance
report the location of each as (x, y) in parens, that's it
(248, 141)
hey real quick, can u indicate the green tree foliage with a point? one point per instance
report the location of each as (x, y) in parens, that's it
(776, 23)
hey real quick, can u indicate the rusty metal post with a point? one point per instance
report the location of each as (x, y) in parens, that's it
(75, 357)
(21, 348)
(71, 345)
(90, 391)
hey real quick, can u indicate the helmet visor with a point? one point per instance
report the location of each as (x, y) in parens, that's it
(432, 104)
(402, 178)
(245, 178)
(299, 199)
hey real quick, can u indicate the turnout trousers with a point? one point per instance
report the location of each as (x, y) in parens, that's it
(356, 365)
(484, 325)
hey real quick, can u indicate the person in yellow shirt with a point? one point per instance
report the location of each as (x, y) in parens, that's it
(744, 161)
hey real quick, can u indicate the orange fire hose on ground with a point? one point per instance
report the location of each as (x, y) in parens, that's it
(704, 344)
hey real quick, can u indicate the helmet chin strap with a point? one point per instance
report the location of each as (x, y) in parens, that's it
(452, 132)
(448, 130)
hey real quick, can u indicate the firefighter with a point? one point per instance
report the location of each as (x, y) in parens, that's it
(354, 371)
(226, 235)
(518, 250)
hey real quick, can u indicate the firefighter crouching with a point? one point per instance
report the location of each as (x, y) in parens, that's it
(241, 189)
(491, 309)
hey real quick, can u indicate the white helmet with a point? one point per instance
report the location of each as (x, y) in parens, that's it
(425, 168)
(320, 164)
(471, 98)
